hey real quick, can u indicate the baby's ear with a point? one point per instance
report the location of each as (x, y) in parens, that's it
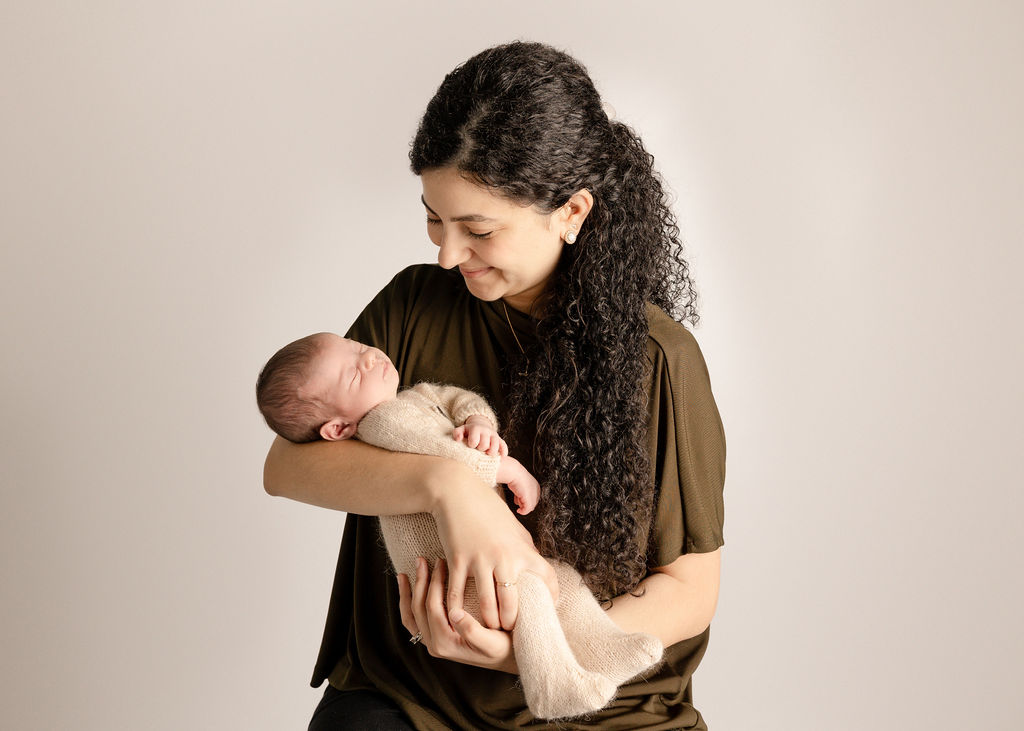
(337, 429)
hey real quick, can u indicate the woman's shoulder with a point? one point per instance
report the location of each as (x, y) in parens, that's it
(416, 292)
(415, 289)
(674, 354)
(679, 372)
(418, 277)
(670, 339)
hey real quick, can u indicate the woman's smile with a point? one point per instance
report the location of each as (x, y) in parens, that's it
(473, 273)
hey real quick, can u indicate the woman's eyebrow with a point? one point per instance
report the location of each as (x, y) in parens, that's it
(472, 218)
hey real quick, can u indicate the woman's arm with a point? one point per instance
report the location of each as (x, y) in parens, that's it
(678, 603)
(357, 478)
(678, 600)
(480, 535)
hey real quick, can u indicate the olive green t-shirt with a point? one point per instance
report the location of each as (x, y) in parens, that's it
(434, 330)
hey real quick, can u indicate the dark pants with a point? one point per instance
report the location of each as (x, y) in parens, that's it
(357, 710)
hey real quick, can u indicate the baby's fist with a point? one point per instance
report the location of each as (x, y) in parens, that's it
(477, 433)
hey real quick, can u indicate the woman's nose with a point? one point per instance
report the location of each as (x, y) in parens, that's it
(450, 253)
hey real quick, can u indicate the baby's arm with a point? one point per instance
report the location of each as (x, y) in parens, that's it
(522, 484)
(479, 433)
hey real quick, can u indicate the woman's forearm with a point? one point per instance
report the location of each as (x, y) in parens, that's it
(677, 601)
(358, 478)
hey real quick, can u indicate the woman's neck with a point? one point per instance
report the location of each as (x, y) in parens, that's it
(528, 302)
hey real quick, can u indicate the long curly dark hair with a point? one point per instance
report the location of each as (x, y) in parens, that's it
(526, 120)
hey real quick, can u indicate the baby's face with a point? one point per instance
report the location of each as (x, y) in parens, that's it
(351, 378)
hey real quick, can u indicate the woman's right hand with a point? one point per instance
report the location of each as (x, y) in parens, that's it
(480, 535)
(482, 538)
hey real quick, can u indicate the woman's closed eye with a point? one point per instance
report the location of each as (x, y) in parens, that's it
(474, 234)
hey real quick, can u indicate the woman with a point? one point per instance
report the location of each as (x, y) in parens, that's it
(560, 265)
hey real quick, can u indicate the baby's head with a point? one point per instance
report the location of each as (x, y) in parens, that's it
(320, 386)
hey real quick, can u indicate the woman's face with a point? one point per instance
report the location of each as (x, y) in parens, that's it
(502, 249)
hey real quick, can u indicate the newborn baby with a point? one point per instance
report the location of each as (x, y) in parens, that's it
(571, 656)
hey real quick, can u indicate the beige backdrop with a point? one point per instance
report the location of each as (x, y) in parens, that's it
(186, 186)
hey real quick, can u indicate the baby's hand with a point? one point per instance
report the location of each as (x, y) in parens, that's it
(479, 434)
(523, 485)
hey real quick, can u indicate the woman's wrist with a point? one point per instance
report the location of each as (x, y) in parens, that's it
(445, 482)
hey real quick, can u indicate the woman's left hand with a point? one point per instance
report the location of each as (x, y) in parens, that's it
(458, 638)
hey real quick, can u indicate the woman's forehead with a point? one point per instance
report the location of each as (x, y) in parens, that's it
(449, 194)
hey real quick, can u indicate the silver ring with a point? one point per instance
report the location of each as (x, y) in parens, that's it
(415, 639)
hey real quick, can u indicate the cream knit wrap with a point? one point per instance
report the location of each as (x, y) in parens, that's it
(571, 656)
(417, 421)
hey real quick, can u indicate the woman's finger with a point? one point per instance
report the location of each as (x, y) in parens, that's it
(445, 641)
(485, 591)
(438, 580)
(419, 592)
(456, 586)
(485, 643)
(405, 605)
(437, 617)
(508, 603)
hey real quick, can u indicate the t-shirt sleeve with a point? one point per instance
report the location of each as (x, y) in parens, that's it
(688, 444)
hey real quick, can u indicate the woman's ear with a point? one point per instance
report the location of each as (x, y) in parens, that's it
(337, 429)
(577, 208)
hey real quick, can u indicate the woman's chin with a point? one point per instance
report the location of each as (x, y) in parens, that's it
(488, 292)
